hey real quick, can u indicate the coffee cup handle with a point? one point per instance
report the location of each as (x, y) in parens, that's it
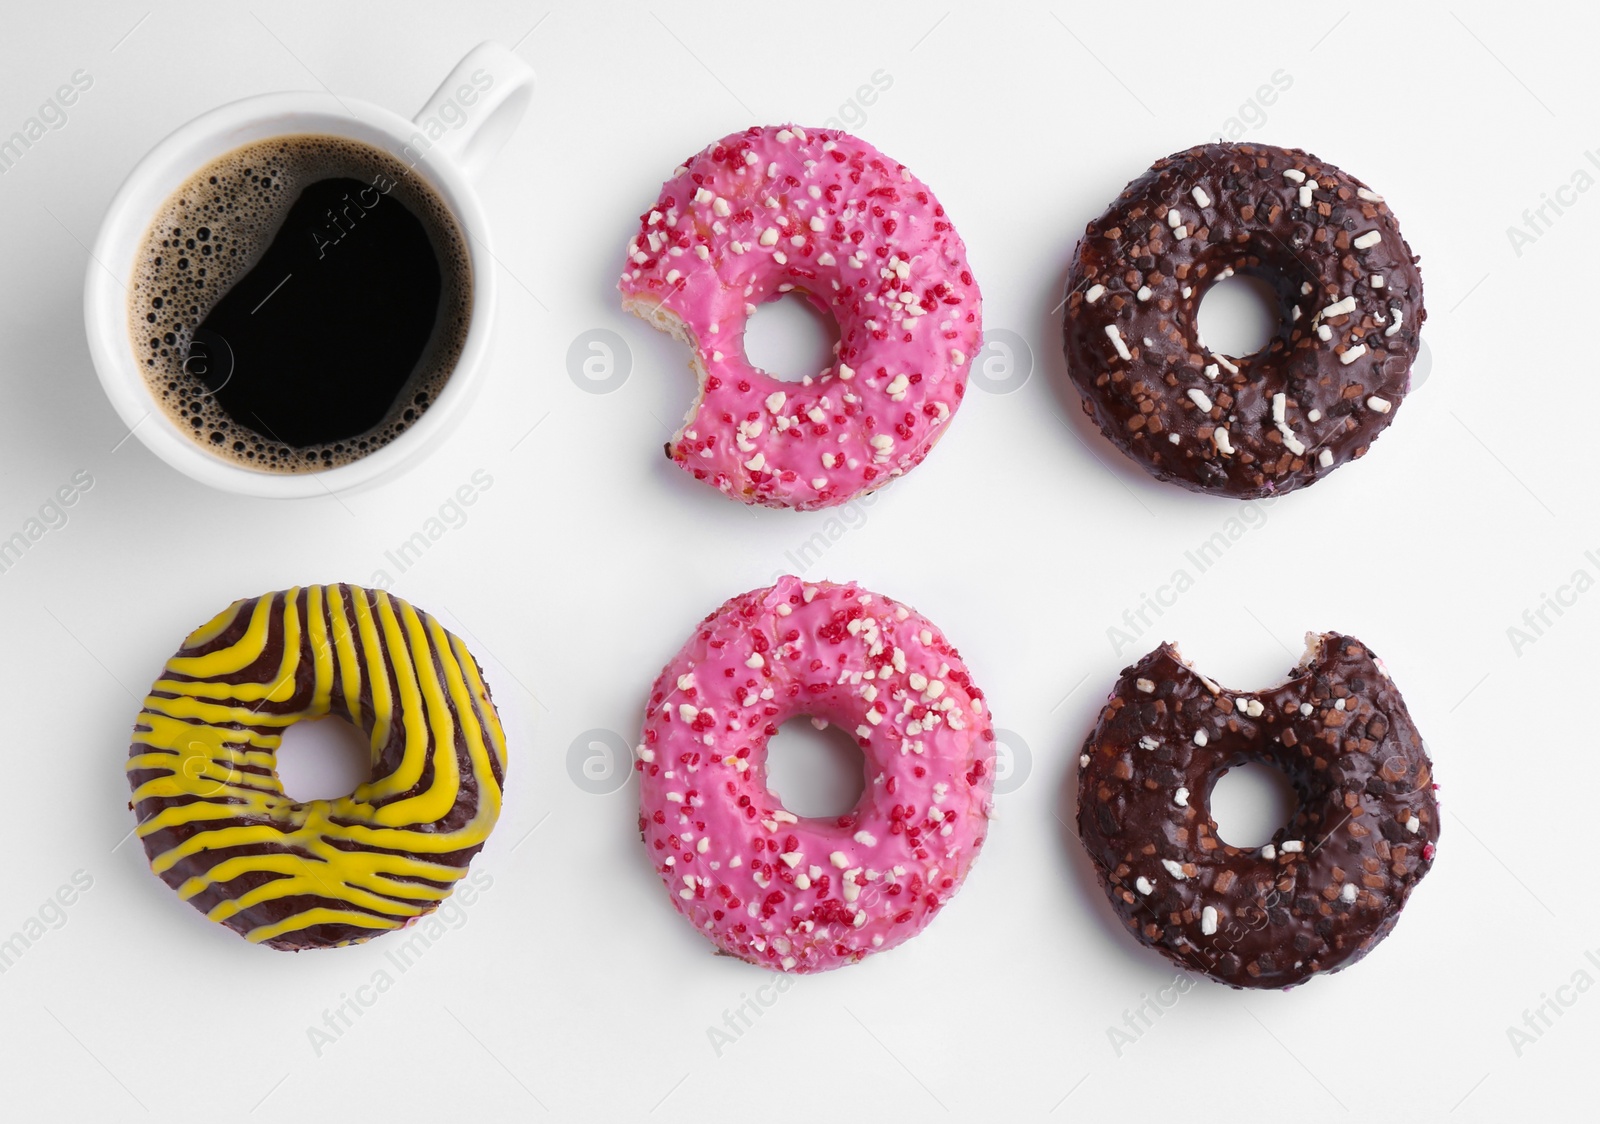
(477, 106)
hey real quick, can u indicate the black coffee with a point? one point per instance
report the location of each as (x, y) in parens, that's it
(300, 302)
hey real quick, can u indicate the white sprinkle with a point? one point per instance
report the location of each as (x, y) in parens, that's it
(1368, 240)
(1376, 280)
(687, 712)
(703, 196)
(1173, 218)
(1268, 852)
(769, 236)
(1305, 192)
(1212, 371)
(1083, 760)
(1147, 742)
(1145, 685)
(1143, 293)
(1399, 316)
(1313, 415)
(1294, 175)
(756, 463)
(1381, 405)
(826, 258)
(1201, 199)
(1116, 340)
(1181, 798)
(866, 839)
(1324, 332)
(1293, 846)
(817, 224)
(1224, 444)
(775, 401)
(703, 846)
(846, 373)
(685, 681)
(1226, 362)
(1413, 824)
(1142, 884)
(1369, 196)
(1200, 738)
(1198, 397)
(839, 859)
(1208, 920)
(1352, 354)
(882, 442)
(1175, 869)
(720, 207)
(1095, 293)
(1347, 892)
(792, 858)
(1339, 308)
(755, 660)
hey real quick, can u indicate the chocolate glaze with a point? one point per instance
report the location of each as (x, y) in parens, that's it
(1248, 218)
(1366, 824)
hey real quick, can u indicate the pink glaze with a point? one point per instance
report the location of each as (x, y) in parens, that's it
(799, 894)
(820, 212)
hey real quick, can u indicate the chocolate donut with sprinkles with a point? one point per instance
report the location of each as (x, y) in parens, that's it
(803, 894)
(1330, 885)
(213, 816)
(1349, 297)
(820, 213)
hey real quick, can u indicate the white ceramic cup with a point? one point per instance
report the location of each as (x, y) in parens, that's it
(450, 142)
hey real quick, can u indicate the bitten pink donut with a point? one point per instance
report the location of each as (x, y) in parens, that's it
(822, 213)
(799, 894)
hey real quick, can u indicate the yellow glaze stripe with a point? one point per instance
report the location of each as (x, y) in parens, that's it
(355, 861)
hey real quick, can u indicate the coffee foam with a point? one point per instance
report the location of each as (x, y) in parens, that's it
(212, 231)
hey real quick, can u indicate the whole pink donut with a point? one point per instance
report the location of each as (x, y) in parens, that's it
(822, 213)
(801, 894)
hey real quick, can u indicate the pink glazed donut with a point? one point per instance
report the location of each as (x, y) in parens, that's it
(819, 212)
(800, 894)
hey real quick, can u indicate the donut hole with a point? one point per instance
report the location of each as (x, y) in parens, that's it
(1240, 315)
(791, 338)
(323, 759)
(1249, 801)
(815, 772)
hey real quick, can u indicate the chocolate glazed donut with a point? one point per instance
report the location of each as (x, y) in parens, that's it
(1331, 883)
(1349, 299)
(214, 819)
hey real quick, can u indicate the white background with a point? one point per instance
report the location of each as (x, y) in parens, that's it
(573, 991)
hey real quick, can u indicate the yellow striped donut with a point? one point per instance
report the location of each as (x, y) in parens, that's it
(213, 815)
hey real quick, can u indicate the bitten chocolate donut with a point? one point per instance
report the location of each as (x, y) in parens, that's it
(1331, 883)
(1349, 299)
(213, 816)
